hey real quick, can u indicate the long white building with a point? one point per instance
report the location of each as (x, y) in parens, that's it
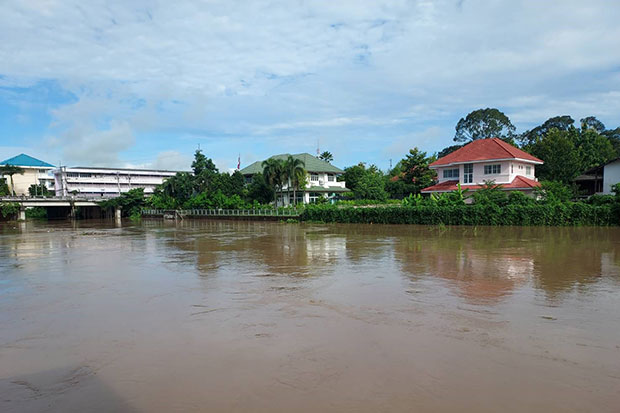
(106, 182)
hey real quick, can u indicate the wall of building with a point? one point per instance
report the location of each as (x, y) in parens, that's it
(611, 176)
(508, 171)
(31, 176)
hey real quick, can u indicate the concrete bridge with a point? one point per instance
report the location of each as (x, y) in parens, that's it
(59, 207)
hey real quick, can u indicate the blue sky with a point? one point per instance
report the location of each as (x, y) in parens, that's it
(143, 83)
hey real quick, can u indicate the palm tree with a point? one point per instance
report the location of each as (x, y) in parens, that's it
(11, 170)
(273, 171)
(294, 172)
(327, 156)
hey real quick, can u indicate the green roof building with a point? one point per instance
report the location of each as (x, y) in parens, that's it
(322, 180)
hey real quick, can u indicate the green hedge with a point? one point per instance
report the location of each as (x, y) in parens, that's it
(568, 214)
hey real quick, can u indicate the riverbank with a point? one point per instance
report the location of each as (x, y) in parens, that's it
(565, 214)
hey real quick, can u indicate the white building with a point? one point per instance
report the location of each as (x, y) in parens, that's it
(106, 182)
(482, 161)
(322, 180)
(599, 180)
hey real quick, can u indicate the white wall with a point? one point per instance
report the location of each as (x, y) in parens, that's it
(611, 175)
(509, 170)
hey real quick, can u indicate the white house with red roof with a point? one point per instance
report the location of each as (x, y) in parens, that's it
(485, 160)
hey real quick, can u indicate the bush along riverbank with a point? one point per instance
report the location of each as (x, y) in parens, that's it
(571, 214)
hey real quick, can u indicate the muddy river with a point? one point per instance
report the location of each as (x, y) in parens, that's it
(272, 317)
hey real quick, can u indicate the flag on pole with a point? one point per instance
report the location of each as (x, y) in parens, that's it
(239, 162)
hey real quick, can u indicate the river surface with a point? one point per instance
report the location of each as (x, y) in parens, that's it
(272, 317)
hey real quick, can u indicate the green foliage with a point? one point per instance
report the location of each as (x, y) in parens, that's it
(4, 188)
(11, 170)
(9, 209)
(411, 175)
(490, 194)
(594, 149)
(569, 214)
(554, 192)
(130, 202)
(326, 156)
(560, 154)
(36, 213)
(259, 190)
(366, 183)
(39, 191)
(483, 124)
(532, 137)
(448, 150)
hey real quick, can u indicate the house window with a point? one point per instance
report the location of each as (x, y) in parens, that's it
(42, 171)
(492, 169)
(331, 178)
(314, 196)
(528, 170)
(468, 173)
(451, 173)
(314, 177)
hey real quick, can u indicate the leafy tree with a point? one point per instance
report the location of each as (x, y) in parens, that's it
(614, 138)
(180, 187)
(260, 190)
(273, 171)
(591, 122)
(326, 156)
(4, 188)
(411, 175)
(11, 170)
(554, 192)
(39, 190)
(483, 124)
(130, 202)
(490, 194)
(594, 149)
(533, 136)
(371, 186)
(201, 163)
(295, 173)
(560, 154)
(353, 174)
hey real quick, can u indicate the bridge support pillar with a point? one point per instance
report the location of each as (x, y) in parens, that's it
(21, 215)
(118, 213)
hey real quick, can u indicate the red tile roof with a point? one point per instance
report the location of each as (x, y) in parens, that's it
(483, 150)
(520, 182)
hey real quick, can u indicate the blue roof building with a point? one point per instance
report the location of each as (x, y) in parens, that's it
(26, 161)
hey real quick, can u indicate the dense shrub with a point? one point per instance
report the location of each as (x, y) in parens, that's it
(568, 214)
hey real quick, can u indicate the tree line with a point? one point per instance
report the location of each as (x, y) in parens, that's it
(567, 149)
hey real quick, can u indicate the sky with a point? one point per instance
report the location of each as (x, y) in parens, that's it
(145, 83)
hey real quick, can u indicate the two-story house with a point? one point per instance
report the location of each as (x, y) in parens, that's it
(322, 180)
(482, 161)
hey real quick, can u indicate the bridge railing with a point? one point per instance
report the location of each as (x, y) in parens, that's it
(223, 212)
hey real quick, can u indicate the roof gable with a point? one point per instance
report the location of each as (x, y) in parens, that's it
(27, 161)
(485, 149)
(311, 164)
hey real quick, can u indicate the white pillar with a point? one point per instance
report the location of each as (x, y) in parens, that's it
(21, 216)
(117, 213)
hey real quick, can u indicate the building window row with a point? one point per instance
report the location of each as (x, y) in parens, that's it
(492, 169)
(451, 173)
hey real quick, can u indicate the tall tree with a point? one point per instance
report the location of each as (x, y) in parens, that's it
(448, 150)
(483, 124)
(326, 156)
(591, 122)
(531, 137)
(11, 170)
(273, 171)
(560, 154)
(594, 149)
(294, 173)
(202, 163)
(412, 175)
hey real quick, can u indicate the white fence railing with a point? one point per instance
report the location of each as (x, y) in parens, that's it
(286, 212)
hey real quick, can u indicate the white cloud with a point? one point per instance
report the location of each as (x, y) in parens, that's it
(345, 71)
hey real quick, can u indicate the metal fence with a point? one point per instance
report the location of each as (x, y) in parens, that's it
(223, 212)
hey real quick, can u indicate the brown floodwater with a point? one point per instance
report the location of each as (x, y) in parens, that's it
(259, 316)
